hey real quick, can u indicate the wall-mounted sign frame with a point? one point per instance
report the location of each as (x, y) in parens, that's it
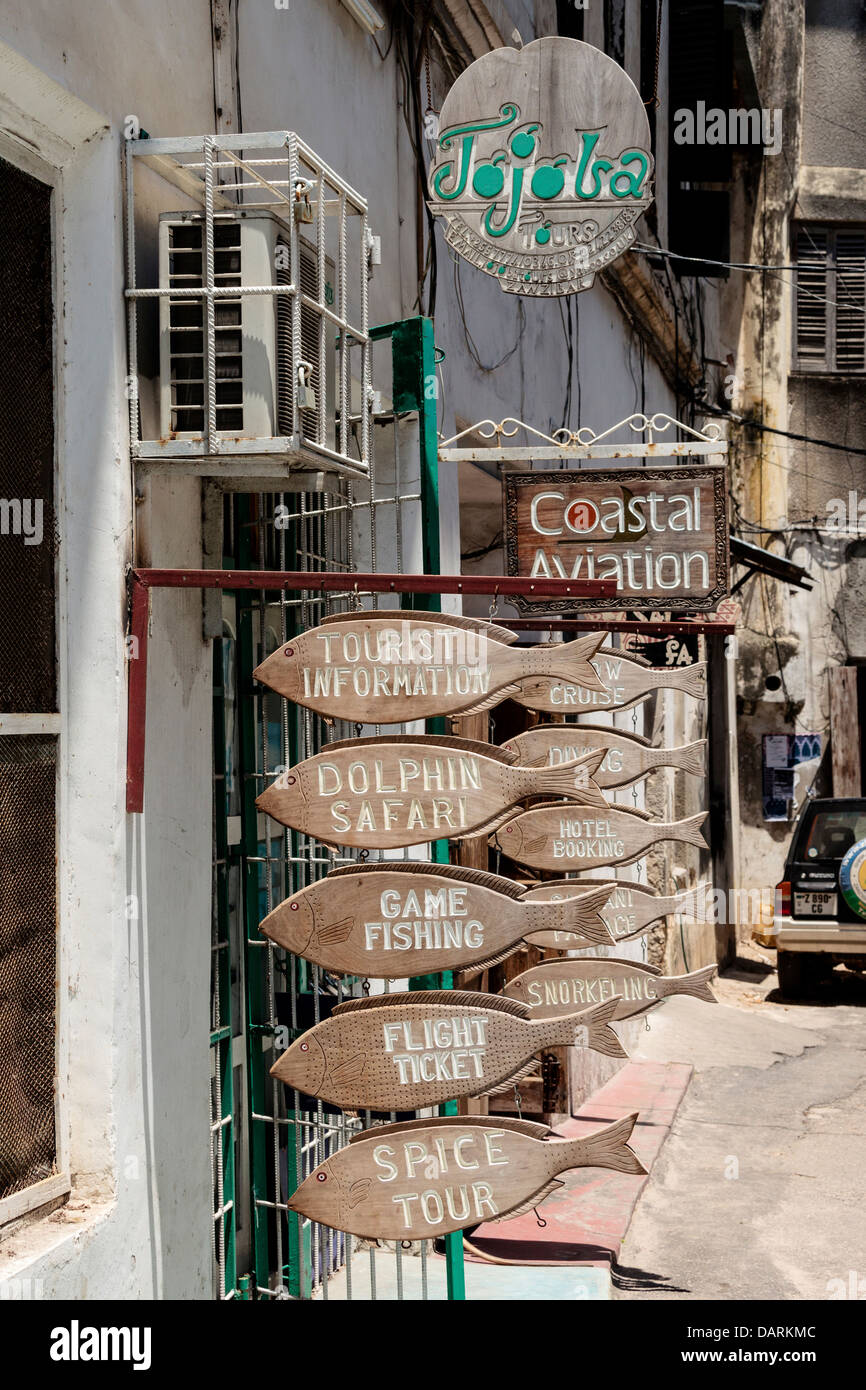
(630, 910)
(660, 533)
(398, 790)
(628, 758)
(422, 1178)
(410, 1050)
(566, 837)
(543, 165)
(554, 985)
(388, 919)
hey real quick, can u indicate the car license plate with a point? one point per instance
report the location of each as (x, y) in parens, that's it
(815, 904)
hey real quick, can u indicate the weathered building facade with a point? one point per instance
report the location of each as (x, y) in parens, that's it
(796, 388)
(153, 1159)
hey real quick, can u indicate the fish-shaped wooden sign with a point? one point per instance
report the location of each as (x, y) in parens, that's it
(398, 790)
(626, 680)
(389, 667)
(554, 986)
(394, 919)
(627, 757)
(630, 910)
(424, 1178)
(560, 836)
(406, 1051)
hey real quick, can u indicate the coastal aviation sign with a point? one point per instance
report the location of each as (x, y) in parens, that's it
(661, 533)
(543, 165)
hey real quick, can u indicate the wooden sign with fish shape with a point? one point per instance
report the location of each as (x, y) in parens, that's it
(555, 986)
(386, 668)
(630, 910)
(627, 757)
(626, 680)
(393, 919)
(398, 790)
(407, 1051)
(424, 1178)
(560, 836)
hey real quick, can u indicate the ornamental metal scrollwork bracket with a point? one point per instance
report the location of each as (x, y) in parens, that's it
(584, 443)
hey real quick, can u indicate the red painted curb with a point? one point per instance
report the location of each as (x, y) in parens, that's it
(586, 1220)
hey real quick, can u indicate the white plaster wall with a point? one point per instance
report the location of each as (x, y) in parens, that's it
(133, 895)
(134, 989)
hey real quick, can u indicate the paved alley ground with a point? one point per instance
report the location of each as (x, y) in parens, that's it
(759, 1191)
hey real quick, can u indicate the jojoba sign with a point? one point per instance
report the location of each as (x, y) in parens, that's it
(542, 166)
(661, 533)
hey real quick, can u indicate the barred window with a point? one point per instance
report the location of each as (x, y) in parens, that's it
(28, 700)
(830, 333)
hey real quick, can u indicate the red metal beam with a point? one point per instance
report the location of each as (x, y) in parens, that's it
(680, 627)
(143, 580)
(339, 581)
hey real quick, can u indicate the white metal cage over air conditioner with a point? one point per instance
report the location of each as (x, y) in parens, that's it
(264, 355)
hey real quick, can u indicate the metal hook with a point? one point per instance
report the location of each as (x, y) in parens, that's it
(494, 604)
(540, 1219)
(517, 1102)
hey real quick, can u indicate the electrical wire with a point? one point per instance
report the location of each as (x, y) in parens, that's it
(409, 60)
(666, 255)
(785, 434)
(470, 341)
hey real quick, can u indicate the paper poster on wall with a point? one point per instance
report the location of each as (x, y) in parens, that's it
(780, 756)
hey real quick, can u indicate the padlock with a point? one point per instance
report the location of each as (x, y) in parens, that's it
(306, 393)
(303, 206)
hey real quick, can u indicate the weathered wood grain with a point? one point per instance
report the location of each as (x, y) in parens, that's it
(627, 757)
(387, 668)
(661, 533)
(423, 1178)
(388, 920)
(554, 986)
(630, 910)
(395, 791)
(407, 1051)
(567, 837)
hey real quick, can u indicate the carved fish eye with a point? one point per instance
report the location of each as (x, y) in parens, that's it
(305, 1047)
(291, 781)
(288, 651)
(293, 907)
(321, 1177)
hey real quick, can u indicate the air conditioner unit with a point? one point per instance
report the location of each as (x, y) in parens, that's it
(256, 375)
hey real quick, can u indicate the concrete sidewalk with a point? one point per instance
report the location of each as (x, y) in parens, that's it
(586, 1220)
(570, 1257)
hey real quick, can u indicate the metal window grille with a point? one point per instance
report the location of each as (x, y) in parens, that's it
(27, 961)
(28, 746)
(830, 299)
(262, 290)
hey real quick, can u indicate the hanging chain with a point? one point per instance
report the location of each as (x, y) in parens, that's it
(634, 730)
(654, 99)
